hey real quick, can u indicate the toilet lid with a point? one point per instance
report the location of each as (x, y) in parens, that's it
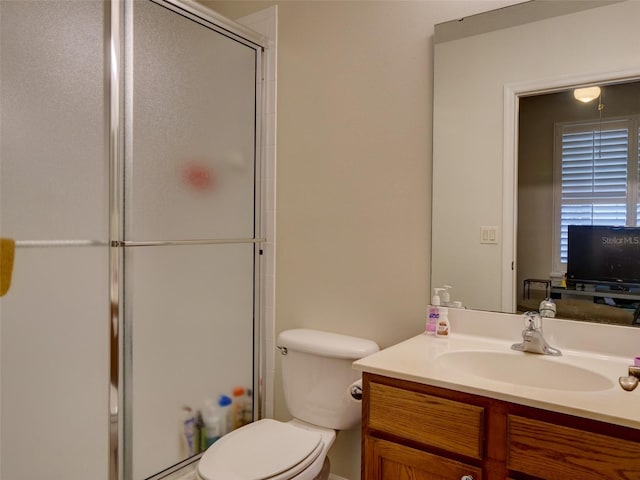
(266, 449)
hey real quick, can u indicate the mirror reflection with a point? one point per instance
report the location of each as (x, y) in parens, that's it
(578, 238)
(500, 233)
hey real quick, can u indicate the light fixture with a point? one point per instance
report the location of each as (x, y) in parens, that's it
(586, 94)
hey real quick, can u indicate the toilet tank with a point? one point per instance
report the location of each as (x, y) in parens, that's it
(317, 373)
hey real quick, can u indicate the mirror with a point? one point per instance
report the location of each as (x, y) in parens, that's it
(485, 67)
(559, 139)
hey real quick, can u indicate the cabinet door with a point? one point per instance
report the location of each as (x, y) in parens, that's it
(391, 461)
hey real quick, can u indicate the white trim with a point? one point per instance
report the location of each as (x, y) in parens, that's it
(509, 201)
(265, 22)
(512, 92)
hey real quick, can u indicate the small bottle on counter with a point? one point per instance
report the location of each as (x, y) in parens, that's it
(444, 328)
(433, 313)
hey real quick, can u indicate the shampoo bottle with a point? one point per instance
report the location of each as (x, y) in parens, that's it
(213, 422)
(188, 431)
(239, 405)
(444, 328)
(248, 410)
(226, 411)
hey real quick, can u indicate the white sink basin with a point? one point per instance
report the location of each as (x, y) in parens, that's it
(528, 369)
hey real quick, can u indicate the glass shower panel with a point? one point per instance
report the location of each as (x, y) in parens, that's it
(54, 359)
(53, 120)
(190, 175)
(192, 329)
(194, 100)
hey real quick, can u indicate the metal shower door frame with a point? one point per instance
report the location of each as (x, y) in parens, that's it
(117, 58)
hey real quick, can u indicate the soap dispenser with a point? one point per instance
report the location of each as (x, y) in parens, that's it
(445, 297)
(436, 300)
(434, 312)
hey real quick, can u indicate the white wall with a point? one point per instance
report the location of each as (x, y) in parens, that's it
(354, 169)
(469, 191)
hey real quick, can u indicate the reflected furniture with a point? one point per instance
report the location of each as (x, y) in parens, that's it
(526, 286)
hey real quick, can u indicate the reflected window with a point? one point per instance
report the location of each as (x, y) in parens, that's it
(597, 170)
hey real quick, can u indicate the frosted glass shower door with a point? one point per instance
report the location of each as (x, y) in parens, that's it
(190, 153)
(54, 335)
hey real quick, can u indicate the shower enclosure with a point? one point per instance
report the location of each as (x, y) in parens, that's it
(130, 142)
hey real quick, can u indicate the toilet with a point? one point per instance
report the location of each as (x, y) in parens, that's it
(317, 379)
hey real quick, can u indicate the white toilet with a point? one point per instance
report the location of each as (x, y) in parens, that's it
(317, 376)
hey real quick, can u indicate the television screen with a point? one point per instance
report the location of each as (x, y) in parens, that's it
(606, 255)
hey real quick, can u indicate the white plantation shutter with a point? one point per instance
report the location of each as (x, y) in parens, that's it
(597, 170)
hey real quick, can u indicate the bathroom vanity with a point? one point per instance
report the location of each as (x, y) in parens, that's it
(470, 408)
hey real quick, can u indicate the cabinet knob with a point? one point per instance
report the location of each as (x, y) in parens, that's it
(466, 477)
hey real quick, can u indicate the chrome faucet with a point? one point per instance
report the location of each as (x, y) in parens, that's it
(532, 338)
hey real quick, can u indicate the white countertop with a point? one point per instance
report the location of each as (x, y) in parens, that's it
(607, 352)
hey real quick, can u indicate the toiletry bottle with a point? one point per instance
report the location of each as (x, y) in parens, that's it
(434, 313)
(213, 423)
(444, 328)
(239, 401)
(445, 297)
(226, 412)
(200, 440)
(188, 431)
(248, 408)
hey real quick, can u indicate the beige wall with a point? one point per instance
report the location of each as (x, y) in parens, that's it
(353, 208)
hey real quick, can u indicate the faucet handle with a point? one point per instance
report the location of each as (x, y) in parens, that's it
(532, 320)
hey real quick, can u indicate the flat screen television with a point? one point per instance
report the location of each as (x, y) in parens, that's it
(604, 255)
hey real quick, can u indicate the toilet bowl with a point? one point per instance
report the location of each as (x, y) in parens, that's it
(317, 376)
(268, 449)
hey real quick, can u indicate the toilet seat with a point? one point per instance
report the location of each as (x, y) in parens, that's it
(263, 450)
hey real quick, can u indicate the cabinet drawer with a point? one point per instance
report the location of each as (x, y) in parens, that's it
(446, 424)
(391, 461)
(555, 452)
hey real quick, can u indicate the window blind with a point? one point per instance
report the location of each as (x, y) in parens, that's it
(594, 177)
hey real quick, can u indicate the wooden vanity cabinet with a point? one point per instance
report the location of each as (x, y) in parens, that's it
(412, 431)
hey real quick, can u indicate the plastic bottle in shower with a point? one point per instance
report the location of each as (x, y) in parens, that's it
(239, 406)
(188, 431)
(226, 413)
(213, 423)
(248, 408)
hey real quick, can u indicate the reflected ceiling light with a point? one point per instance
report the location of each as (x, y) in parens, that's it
(586, 94)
